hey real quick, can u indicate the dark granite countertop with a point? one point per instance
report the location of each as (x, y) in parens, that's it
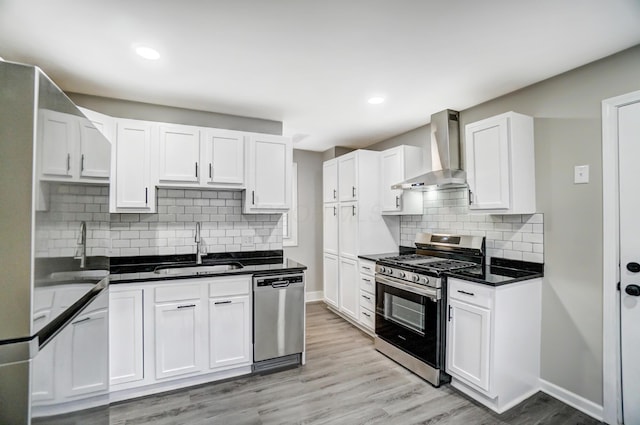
(140, 269)
(402, 250)
(500, 272)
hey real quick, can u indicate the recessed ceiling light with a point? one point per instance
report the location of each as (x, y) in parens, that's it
(376, 100)
(147, 52)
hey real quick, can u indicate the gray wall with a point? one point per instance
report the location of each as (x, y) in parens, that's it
(567, 112)
(146, 111)
(309, 249)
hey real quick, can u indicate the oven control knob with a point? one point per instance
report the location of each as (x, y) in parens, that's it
(403, 274)
(415, 278)
(425, 280)
(382, 269)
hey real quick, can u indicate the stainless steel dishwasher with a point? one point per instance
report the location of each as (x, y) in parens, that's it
(278, 321)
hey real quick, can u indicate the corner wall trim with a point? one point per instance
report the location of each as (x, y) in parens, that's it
(574, 400)
(313, 296)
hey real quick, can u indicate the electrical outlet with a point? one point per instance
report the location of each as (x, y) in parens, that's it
(247, 240)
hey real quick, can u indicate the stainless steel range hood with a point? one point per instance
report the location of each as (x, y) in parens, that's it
(445, 156)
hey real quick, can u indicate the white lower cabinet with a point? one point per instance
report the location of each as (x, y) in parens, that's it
(230, 331)
(349, 291)
(179, 334)
(493, 341)
(367, 294)
(125, 336)
(331, 279)
(171, 334)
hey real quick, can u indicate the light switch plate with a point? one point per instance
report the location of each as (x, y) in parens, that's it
(581, 174)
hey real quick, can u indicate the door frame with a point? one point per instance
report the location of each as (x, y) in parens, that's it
(611, 368)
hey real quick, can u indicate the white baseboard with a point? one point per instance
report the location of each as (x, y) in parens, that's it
(574, 400)
(314, 296)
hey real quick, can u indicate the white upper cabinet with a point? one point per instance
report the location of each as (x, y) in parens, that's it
(330, 181)
(134, 185)
(58, 137)
(269, 163)
(200, 157)
(223, 163)
(179, 153)
(330, 229)
(398, 164)
(348, 172)
(95, 146)
(500, 162)
(73, 148)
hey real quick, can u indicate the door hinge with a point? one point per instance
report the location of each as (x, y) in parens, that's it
(618, 286)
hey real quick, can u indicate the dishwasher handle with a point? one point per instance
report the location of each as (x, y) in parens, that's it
(280, 284)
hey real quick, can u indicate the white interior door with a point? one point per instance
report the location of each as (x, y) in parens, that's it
(629, 154)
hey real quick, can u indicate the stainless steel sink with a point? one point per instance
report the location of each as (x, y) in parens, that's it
(198, 270)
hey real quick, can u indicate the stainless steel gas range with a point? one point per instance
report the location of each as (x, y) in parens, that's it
(410, 301)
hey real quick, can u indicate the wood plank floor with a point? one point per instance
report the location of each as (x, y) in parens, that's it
(345, 381)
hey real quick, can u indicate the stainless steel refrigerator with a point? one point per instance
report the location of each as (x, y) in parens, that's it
(54, 262)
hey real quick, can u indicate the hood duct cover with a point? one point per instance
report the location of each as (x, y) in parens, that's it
(445, 156)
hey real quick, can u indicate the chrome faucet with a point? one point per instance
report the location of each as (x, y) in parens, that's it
(200, 249)
(81, 251)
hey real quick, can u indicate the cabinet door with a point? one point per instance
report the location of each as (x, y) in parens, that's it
(125, 337)
(348, 230)
(347, 174)
(95, 147)
(269, 185)
(230, 338)
(331, 282)
(59, 135)
(488, 169)
(44, 375)
(330, 229)
(179, 336)
(179, 154)
(392, 165)
(224, 158)
(133, 178)
(469, 343)
(349, 290)
(330, 181)
(88, 356)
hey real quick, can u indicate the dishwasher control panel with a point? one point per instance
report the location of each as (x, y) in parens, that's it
(276, 281)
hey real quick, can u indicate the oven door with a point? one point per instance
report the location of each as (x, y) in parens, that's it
(409, 317)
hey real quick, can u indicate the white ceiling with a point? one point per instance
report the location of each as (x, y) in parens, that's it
(314, 64)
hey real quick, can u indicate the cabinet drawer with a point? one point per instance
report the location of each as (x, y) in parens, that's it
(367, 300)
(367, 267)
(367, 318)
(367, 283)
(226, 287)
(470, 293)
(177, 293)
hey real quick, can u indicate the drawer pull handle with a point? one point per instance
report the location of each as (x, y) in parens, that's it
(366, 280)
(186, 306)
(40, 316)
(467, 293)
(223, 302)
(81, 320)
(366, 297)
(366, 268)
(366, 314)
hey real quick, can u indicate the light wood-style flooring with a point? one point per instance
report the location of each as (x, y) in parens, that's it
(345, 381)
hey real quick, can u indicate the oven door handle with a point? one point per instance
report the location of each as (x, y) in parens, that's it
(414, 289)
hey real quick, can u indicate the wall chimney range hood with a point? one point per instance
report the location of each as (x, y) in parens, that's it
(445, 157)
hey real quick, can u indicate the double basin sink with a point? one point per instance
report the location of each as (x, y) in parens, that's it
(200, 269)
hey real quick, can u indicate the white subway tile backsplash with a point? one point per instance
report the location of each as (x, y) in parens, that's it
(518, 237)
(170, 231)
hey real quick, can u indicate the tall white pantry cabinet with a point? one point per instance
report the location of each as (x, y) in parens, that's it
(353, 226)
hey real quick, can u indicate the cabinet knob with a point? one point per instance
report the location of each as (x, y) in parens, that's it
(633, 290)
(633, 267)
